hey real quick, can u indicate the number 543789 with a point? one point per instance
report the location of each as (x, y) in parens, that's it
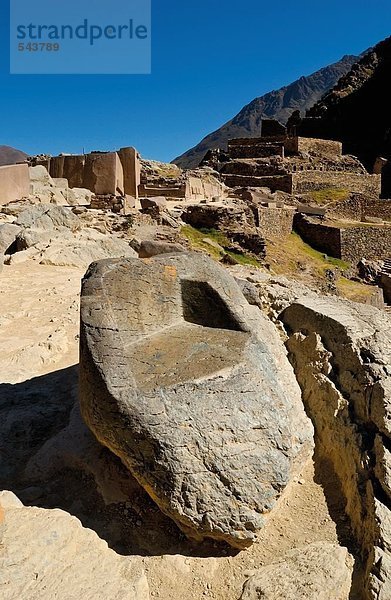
(38, 47)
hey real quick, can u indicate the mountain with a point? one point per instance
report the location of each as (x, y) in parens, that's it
(279, 104)
(10, 156)
(357, 111)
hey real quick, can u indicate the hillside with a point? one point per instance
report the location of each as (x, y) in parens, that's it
(278, 104)
(10, 156)
(357, 110)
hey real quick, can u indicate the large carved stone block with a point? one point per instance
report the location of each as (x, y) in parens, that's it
(190, 386)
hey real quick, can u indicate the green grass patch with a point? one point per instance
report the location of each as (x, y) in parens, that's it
(321, 257)
(328, 196)
(244, 259)
(353, 290)
(197, 237)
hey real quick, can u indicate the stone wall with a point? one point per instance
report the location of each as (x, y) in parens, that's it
(103, 173)
(294, 145)
(256, 167)
(274, 183)
(275, 222)
(321, 237)
(316, 180)
(100, 172)
(365, 242)
(359, 206)
(198, 188)
(261, 149)
(350, 244)
(14, 183)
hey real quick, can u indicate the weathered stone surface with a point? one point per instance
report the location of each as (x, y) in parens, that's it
(149, 248)
(191, 388)
(159, 202)
(383, 465)
(341, 353)
(103, 173)
(58, 237)
(14, 183)
(130, 161)
(80, 250)
(45, 189)
(47, 554)
(8, 233)
(45, 216)
(319, 571)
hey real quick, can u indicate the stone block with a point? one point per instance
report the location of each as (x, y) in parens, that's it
(159, 202)
(130, 161)
(103, 174)
(190, 386)
(14, 183)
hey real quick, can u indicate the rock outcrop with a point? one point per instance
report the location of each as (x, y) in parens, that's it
(341, 353)
(356, 111)
(54, 235)
(47, 554)
(190, 386)
(8, 233)
(319, 571)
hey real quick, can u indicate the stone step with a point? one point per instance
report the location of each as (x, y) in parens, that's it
(387, 266)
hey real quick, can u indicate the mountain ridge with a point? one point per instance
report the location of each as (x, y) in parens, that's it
(10, 156)
(278, 104)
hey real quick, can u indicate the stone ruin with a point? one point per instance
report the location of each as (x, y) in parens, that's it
(169, 181)
(292, 164)
(14, 183)
(119, 179)
(109, 175)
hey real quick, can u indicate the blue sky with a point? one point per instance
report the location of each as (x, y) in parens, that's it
(209, 58)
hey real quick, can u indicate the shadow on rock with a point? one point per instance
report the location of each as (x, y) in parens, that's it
(325, 475)
(50, 459)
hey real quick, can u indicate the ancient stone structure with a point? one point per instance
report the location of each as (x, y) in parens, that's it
(294, 165)
(350, 244)
(117, 204)
(190, 386)
(187, 187)
(113, 173)
(14, 183)
(359, 207)
(249, 222)
(130, 161)
(340, 352)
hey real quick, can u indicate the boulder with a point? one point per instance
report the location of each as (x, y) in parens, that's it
(159, 202)
(47, 554)
(44, 188)
(82, 196)
(84, 248)
(320, 571)
(8, 233)
(190, 386)
(149, 248)
(46, 216)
